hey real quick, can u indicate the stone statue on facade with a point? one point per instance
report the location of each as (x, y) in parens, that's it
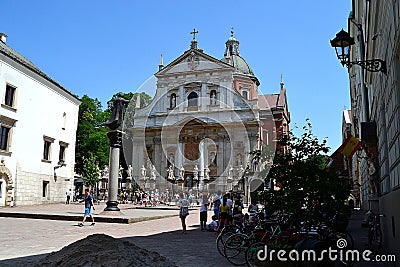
(195, 173)
(213, 98)
(105, 171)
(152, 172)
(171, 173)
(143, 173)
(240, 171)
(206, 173)
(130, 171)
(230, 175)
(181, 173)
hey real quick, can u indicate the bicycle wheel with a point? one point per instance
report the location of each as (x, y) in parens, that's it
(251, 255)
(374, 239)
(235, 247)
(223, 236)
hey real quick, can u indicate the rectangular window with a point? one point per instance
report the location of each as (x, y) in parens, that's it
(244, 94)
(4, 136)
(46, 150)
(61, 154)
(45, 188)
(9, 98)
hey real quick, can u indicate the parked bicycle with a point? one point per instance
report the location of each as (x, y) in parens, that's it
(375, 233)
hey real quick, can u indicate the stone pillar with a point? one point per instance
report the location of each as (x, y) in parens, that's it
(114, 123)
(115, 137)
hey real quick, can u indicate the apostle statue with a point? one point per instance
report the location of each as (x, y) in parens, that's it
(195, 173)
(181, 173)
(152, 173)
(142, 172)
(130, 170)
(170, 171)
(206, 173)
(230, 174)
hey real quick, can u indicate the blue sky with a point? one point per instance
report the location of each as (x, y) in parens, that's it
(101, 47)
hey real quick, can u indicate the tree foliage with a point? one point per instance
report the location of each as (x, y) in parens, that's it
(90, 172)
(304, 186)
(91, 136)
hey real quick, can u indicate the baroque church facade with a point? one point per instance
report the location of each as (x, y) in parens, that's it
(206, 117)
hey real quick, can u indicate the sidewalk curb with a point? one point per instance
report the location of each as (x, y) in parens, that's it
(76, 218)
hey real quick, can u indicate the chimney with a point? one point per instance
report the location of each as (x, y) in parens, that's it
(3, 37)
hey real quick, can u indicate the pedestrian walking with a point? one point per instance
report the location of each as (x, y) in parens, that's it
(183, 212)
(203, 216)
(68, 193)
(88, 206)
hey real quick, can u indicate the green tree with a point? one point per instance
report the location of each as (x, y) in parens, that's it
(306, 187)
(90, 172)
(91, 135)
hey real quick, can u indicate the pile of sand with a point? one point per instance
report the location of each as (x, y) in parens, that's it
(104, 250)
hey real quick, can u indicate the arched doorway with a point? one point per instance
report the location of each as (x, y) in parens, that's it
(6, 186)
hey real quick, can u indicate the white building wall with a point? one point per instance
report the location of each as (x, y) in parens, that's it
(40, 107)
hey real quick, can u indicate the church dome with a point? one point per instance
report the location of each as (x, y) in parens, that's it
(232, 57)
(239, 63)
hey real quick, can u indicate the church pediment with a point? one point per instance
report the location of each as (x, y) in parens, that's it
(193, 60)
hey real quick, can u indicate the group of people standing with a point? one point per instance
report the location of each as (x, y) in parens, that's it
(224, 208)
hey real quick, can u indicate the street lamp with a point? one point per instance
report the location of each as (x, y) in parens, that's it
(342, 43)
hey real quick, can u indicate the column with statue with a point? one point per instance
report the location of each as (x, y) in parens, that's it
(114, 123)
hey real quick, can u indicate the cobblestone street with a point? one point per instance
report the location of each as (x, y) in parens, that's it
(27, 240)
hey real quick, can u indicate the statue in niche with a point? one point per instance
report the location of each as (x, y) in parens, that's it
(195, 173)
(213, 98)
(173, 101)
(372, 176)
(212, 159)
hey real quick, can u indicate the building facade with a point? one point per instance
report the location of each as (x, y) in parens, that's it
(205, 119)
(38, 120)
(375, 100)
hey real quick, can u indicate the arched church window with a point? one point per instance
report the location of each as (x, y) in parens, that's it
(192, 99)
(213, 97)
(172, 103)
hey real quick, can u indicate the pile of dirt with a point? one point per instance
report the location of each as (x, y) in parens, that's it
(104, 250)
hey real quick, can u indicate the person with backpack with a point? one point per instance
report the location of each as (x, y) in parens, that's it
(88, 205)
